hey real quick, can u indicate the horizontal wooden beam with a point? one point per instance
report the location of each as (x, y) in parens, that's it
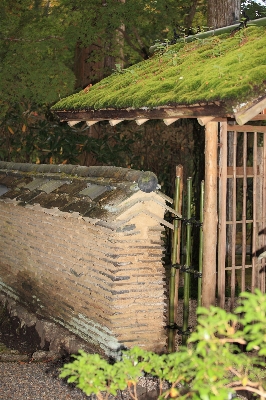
(195, 111)
(259, 117)
(246, 128)
(240, 172)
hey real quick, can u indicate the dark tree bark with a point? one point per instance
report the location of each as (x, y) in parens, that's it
(223, 12)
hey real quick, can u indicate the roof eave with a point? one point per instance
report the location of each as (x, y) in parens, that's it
(215, 109)
(242, 113)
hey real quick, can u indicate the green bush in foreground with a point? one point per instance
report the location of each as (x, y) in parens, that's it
(211, 367)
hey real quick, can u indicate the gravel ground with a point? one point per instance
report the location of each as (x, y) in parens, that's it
(39, 381)
(33, 382)
(27, 380)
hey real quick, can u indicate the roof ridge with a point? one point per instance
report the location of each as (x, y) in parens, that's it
(147, 180)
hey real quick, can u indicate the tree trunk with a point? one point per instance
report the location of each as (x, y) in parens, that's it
(88, 71)
(223, 13)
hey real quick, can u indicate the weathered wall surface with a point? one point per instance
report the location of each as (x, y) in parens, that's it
(105, 285)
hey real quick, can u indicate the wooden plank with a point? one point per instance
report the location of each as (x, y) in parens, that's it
(247, 128)
(222, 214)
(210, 215)
(246, 115)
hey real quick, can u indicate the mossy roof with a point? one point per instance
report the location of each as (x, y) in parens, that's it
(228, 69)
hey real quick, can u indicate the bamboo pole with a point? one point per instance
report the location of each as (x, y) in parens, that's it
(200, 243)
(188, 262)
(213, 32)
(222, 214)
(210, 215)
(172, 283)
(244, 215)
(179, 173)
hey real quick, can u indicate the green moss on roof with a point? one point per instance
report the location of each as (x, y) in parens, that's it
(217, 68)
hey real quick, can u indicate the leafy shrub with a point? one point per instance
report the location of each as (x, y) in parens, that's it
(211, 367)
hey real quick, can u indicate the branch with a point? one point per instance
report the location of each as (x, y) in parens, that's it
(129, 41)
(261, 393)
(28, 40)
(236, 340)
(142, 45)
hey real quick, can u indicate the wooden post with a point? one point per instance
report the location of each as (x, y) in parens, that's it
(222, 214)
(210, 215)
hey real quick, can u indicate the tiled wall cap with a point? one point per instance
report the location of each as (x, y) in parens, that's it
(148, 182)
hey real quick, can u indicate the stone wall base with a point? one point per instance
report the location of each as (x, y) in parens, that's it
(53, 337)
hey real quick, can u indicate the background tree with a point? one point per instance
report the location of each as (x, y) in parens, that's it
(223, 12)
(50, 48)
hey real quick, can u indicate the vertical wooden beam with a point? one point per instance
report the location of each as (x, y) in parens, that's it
(260, 202)
(263, 272)
(233, 232)
(222, 214)
(210, 215)
(254, 277)
(244, 215)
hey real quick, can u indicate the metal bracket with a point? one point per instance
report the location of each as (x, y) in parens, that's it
(190, 221)
(188, 270)
(179, 329)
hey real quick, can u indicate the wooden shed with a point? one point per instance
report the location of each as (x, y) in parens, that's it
(220, 81)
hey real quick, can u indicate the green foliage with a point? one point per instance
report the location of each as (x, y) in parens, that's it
(253, 318)
(30, 134)
(38, 41)
(33, 134)
(253, 9)
(35, 53)
(210, 368)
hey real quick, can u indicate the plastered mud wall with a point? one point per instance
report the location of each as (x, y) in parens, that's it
(102, 281)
